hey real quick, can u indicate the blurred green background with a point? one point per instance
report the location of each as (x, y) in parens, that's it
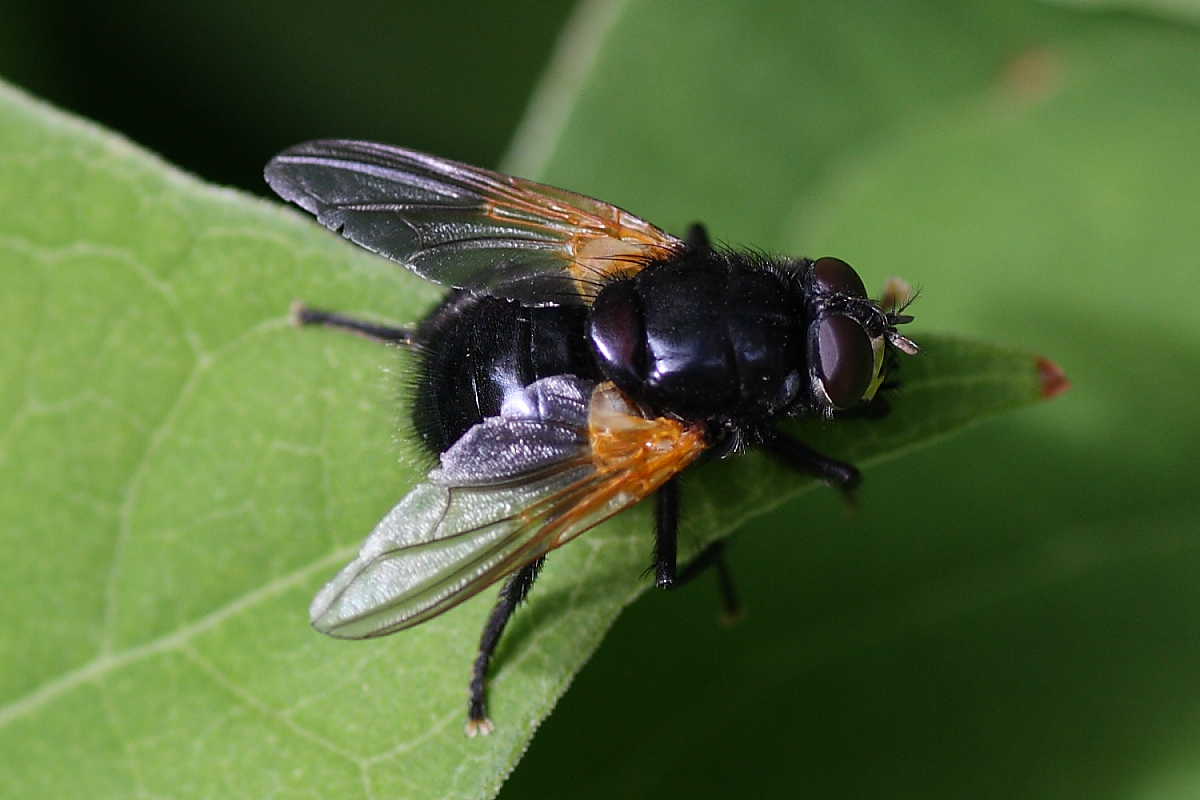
(218, 87)
(1014, 612)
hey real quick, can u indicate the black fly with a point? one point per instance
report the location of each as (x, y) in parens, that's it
(583, 361)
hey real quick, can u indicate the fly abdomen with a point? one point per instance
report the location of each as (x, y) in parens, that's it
(475, 350)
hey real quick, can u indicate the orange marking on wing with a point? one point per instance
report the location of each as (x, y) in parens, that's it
(598, 240)
(634, 455)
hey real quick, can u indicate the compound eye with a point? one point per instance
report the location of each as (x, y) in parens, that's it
(834, 275)
(845, 360)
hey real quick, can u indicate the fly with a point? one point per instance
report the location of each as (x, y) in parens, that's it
(582, 362)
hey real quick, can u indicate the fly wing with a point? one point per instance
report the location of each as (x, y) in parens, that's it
(563, 456)
(467, 227)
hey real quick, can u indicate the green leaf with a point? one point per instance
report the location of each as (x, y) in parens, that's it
(184, 469)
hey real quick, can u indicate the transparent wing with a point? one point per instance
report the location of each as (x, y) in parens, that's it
(467, 227)
(563, 456)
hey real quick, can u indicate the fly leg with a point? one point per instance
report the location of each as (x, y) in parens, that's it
(714, 556)
(303, 315)
(798, 455)
(697, 238)
(666, 535)
(514, 592)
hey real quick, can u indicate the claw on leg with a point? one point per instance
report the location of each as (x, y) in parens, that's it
(479, 727)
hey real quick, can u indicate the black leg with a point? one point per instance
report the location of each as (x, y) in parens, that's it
(303, 315)
(666, 540)
(697, 238)
(802, 457)
(515, 590)
(714, 556)
(666, 534)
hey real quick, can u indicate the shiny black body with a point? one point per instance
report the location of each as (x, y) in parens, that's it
(711, 336)
(477, 348)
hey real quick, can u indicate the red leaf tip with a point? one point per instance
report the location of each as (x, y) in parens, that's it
(1054, 380)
